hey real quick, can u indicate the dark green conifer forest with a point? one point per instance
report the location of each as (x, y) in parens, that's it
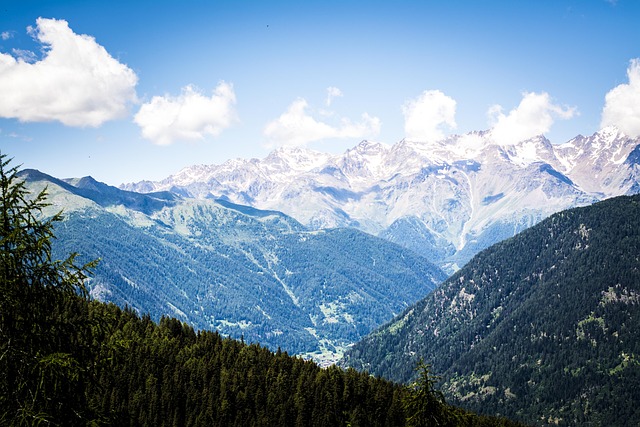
(543, 327)
(69, 361)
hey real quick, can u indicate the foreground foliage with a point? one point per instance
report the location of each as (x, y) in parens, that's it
(68, 361)
(39, 378)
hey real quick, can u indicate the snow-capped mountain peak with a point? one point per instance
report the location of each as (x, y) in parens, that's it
(365, 161)
(530, 151)
(446, 199)
(610, 133)
(294, 158)
(597, 162)
(612, 141)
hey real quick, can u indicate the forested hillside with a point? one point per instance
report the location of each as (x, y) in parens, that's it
(247, 273)
(543, 327)
(115, 368)
(68, 361)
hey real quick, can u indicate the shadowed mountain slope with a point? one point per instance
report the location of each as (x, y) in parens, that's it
(543, 327)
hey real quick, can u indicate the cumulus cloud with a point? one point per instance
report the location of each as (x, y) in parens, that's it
(332, 92)
(427, 116)
(77, 82)
(534, 116)
(188, 116)
(622, 103)
(297, 127)
(6, 35)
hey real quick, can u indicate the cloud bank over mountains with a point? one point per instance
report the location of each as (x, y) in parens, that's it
(297, 126)
(78, 83)
(533, 116)
(427, 116)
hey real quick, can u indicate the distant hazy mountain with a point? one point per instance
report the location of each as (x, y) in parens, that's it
(446, 200)
(543, 327)
(242, 271)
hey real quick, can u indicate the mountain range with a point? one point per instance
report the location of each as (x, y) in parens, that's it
(445, 200)
(248, 273)
(542, 327)
(283, 251)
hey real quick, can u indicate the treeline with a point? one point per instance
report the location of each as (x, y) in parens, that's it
(68, 361)
(116, 368)
(168, 375)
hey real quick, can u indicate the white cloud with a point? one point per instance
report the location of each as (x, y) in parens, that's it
(6, 35)
(188, 116)
(77, 82)
(426, 116)
(296, 127)
(25, 55)
(622, 103)
(332, 92)
(534, 116)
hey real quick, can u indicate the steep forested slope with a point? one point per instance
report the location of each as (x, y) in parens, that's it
(544, 327)
(108, 366)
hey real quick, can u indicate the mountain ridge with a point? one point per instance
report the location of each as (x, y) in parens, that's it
(542, 327)
(245, 272)
(462, 193)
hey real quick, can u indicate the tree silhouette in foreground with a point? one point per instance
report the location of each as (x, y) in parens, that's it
(40, 380)
(424, 404)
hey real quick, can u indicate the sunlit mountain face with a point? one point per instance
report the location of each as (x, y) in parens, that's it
(446, 200)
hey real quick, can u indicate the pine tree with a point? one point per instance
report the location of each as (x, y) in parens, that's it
(40, 380)
(424, 404)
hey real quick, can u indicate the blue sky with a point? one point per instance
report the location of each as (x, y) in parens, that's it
(126, 91)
